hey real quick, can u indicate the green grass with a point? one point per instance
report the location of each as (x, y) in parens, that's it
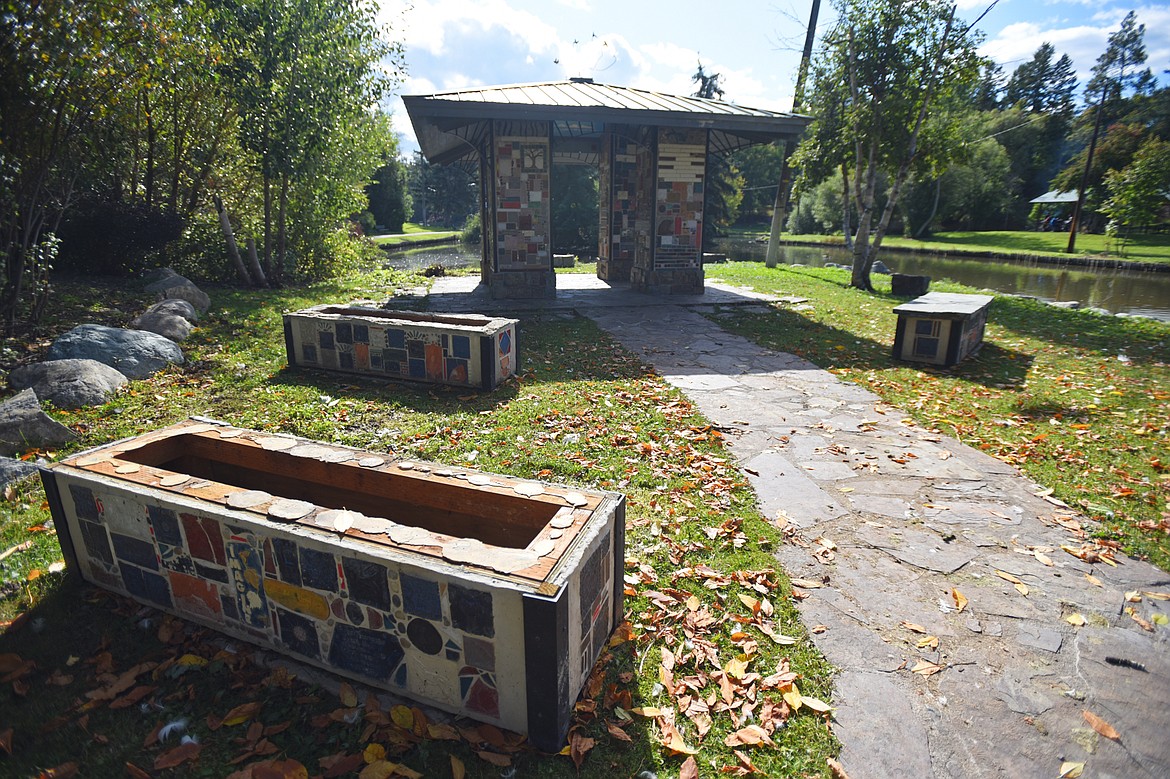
(1079, 401)
(1142, 248)
(584, 412)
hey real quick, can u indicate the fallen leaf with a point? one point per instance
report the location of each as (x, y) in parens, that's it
(373, 753)
(673, 740)
(960, 600)
(1071, 770)
(926, 668)
(913, 626)
(6, 740)
(1095, 581)
(242, 713)
(647, 711)
(458, 771)
(402, 716)
(617, 732)
(816, 704)
(579, 746)
(1101, 726)
(177, 756)
(280, 769)
(929, 641)
(835, 768)
(496, 759)
(1076, 620)
(752, 735)
(348, 695)
(63, 771)
(808, 584)
(689, 769)
(134, 772)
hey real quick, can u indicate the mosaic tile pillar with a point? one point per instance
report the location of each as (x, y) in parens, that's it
(521, 160)
(680, 175)
(626, 203)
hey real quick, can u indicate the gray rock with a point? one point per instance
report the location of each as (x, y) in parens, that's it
(178, 307)
(12, 469)
(158, 280)
(24, 426)
(880, 267)
(185, 290)
(157, 275)
(170, 326)
(69, 383)
(136, 353)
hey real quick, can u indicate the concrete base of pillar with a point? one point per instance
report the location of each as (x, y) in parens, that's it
(523, 285)
(614, 270)
(683, 281)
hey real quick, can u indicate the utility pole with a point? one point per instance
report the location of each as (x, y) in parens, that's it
(1076, 218)
(784, 188)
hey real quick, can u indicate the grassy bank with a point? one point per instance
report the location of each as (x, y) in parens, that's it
(90, 678)
(1080, 402)
(1142, 248)
(413, 233)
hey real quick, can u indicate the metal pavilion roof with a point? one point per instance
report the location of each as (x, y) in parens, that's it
(449, 125)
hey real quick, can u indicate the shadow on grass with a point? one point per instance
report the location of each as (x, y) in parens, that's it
(1081, 329)
(832, 348)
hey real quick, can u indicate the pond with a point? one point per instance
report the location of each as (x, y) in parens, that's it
(1118, 291)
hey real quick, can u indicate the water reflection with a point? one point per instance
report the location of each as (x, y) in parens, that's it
(1131, 292)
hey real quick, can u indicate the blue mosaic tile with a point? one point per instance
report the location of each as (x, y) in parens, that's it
(146, 585)
(97, 543)
(344, 332)
(287, 560)
(421, 597)
(325, 339)
(471, 610)
(395, 339)
(229, 607)
(298, 633)
(345, 360)
(367, 582)
(318, 570)
(166, 525)
(355, 613)
(461, 346)
(84, 503)
(372, 653)
(308, 352)
(418, 369)
(134, 550)
(361, 334)
(400, 676)
(243, 559)
(211, 572)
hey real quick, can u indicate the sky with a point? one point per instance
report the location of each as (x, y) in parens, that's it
(655, 45)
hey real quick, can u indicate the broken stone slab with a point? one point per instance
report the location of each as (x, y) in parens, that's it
(24, 426)
(136, 353)
(1039, 637)
(70, 383)
(782, 487)
(171, 326)
(919, 548)
(1015, 689)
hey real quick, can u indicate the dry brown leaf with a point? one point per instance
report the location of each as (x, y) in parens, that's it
(752, 735)
(134, 772)
(1094, 580)
(926, 668)
(63, 771)
(1071, 770)
(458, 770)
(816, 704)
(579, 746)
(177, 756)
(928, 641)
(673, 740)
(836, 769)
(1101, 726)
(689, 769)
(242, 713)
(495, 758)
(913, 626)
(280, 769)
(647, 711)
(960, 600)
(1007, 576)
(1076, 620)
(402, 716)
(617, 732)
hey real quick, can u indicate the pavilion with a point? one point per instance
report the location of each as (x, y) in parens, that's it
(651, 150)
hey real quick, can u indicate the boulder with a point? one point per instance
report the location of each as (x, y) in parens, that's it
(12, 469)
(167, 325)
(160, 279)
(24, 426)
(136, 353)
(69, 383)
(178, 307)
(881, 267)
(187, 291)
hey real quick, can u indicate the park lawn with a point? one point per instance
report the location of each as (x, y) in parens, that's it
(108, 672)
(417, 236)
(1080, 402)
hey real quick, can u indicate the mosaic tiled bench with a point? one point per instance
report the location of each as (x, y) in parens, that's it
(466, 350)
(484, 595)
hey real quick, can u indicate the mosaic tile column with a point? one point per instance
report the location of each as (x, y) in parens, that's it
(677, 266)
(625, 194)
(523, 256)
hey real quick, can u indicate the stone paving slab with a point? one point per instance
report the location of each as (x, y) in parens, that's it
(914, 517)
(925, 515)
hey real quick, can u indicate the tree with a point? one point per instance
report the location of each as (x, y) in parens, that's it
(574, 209)
(64, 64)
(988, 94)
(1140, 191)
(759, 166)
(1043, 86)
(907, 66)
(389, 201)
(304, 74)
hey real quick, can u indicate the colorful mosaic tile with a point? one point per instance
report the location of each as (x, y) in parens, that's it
(372, 653)
(471, 610)
(421, 597)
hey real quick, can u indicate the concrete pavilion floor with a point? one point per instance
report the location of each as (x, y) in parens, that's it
(891, 519)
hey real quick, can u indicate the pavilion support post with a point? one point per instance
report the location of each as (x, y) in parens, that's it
(521, 264)
(675, 264)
